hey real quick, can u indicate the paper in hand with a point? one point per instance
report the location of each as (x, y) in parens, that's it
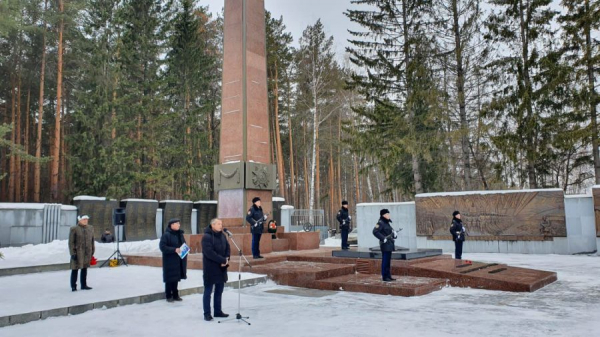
(185, 249)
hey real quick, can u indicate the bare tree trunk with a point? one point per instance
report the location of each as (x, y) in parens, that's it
(593, 100)
(12, 169)
(415, 157)
(306, 173)
(62, 178)
(280, 167)
(460, 86)
(38, 142)
(56, 152)
(26, 146)
(530, 143)
(18, 141)
(292, 163)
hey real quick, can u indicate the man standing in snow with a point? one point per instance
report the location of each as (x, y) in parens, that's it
(81, 248)
(215, 261)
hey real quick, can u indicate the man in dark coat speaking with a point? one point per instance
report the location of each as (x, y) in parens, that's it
(215, 260)
(174, 267)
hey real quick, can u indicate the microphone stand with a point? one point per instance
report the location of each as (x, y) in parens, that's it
(238, 316)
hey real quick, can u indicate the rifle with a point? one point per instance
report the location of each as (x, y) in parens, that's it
(391, 236)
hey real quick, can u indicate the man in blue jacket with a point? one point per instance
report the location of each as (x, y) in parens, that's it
(215, 260)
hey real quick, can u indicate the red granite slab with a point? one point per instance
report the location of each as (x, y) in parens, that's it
(280, 245)
(302, 273)
(482, 275)
(372, 284)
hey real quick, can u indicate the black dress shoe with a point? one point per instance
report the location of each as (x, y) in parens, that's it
(86, 288)
(387, 279)
(392, 279)
(178, 299)
(221, 314)
(208, 317)
(258, 257)
(73, 289)
(170, 300)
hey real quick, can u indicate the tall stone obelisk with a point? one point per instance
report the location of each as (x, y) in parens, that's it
(245, 170)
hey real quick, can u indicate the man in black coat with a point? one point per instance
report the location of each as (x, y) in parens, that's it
(385, 233)
(458, 234)
(344, 219)
(256, 218)
(215, 260)
(174, 267)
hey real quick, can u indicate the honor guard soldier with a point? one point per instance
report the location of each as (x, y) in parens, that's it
(256, 218)
(385, 233)
(344, 219)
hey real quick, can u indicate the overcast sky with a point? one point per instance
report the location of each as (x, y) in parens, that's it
(298, 14)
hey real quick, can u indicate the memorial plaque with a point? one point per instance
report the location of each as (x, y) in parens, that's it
(494, 215)
(100, 211)
(140, 219)
(206, 211)
(177, 209)
(596, 195)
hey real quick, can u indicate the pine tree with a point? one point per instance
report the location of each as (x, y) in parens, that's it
(520, 26)
(580, 22)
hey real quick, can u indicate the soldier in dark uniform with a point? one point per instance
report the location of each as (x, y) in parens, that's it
(458, 234)
(344, 219)
(256, 219)
(385, 233)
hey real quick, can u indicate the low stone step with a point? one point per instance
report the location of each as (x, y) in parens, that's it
(372, 284)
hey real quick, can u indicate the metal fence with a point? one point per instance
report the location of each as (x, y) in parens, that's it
(309, 221)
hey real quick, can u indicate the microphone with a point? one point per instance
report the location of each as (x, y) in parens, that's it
(226, 231)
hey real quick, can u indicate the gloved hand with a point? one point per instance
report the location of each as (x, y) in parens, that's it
(256, 224)
(395, 235)
(385, 240)
(265, 217)
(349, 217)
(74, 257)
(343, 222)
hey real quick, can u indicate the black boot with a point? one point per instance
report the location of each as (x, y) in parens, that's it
(208, 317)
(221, 314)
(83, 279)
(74, 280)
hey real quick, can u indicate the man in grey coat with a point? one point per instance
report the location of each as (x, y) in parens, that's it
(81, 248)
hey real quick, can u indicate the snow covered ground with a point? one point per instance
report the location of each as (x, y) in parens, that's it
(568, 307)
(43, 291)
(57, 252)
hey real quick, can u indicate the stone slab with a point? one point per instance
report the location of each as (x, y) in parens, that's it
(80, 309)
(24, 318)
(364, 253)
(302, 273)
(54, 313)
(482, 275)
(372, 284)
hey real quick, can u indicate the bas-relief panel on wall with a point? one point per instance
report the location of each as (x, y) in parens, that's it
(535, 215)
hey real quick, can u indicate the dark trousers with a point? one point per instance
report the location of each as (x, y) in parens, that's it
(386, 261)
(345, 237)
(208, 288)
(82, 277)
(171, 290)
(256, 244)
(458, 249)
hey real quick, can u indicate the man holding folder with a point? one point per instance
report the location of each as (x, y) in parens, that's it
(174, 262)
